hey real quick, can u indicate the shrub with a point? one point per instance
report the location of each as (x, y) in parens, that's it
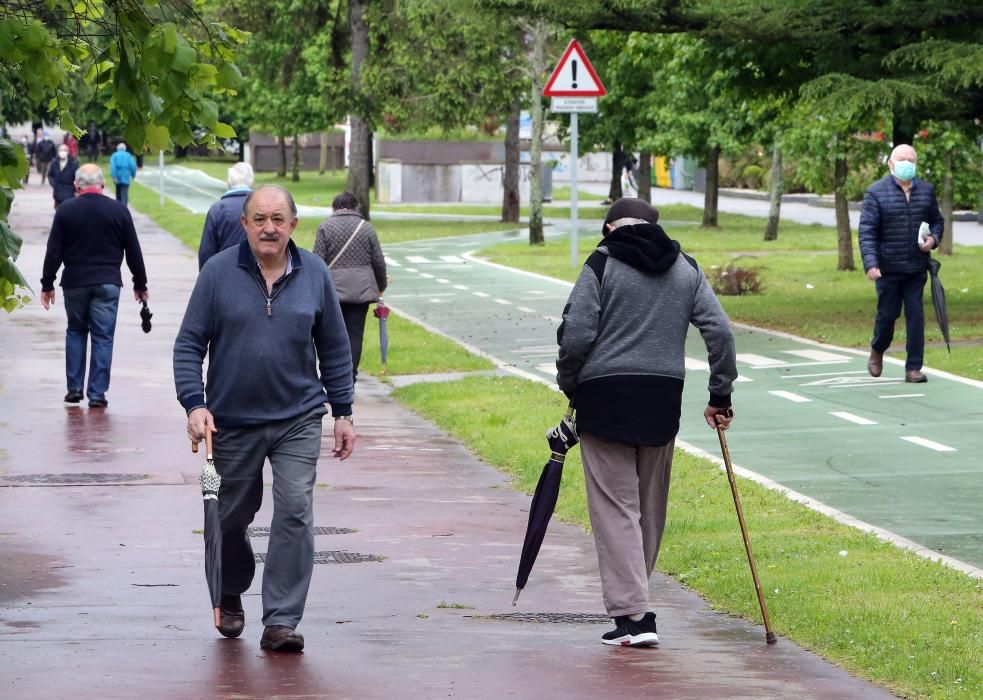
(732, 280)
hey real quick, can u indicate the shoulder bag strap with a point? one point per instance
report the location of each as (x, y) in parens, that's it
(347, 243)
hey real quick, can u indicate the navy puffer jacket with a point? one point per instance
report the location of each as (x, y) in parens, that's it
(889, 226)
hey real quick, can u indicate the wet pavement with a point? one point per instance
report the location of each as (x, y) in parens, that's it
(102, 593)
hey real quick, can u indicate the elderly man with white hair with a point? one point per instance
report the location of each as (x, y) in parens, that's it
(90, 235)
(223, 227)
(896, 257)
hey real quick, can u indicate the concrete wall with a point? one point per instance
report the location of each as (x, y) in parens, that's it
(441, 152)
(265, 152)
(474, 183)
(592, 167)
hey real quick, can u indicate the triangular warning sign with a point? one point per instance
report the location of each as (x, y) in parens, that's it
(574, 76)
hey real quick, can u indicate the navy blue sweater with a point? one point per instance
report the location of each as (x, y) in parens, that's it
(90, 234)
(889, 226)
(223, 228)
(264, 352)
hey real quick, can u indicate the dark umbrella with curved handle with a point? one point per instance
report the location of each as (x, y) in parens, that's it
(560, 439)
(938, 301)
(210, 482)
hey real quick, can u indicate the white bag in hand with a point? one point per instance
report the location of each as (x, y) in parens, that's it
(923, 232)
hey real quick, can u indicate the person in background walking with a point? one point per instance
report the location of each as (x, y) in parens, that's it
(25, 143)
(266, 316)
(61, 175)
(44, 153)
(622, 362)
(349, 245)
(93, 141)
(896, 260)
(223, 225)
(90, 235)
(122, 168)
(72, 143)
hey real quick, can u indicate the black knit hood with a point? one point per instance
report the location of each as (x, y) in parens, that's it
(646, 247)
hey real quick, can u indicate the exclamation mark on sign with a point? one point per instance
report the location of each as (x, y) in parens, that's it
(573, 67)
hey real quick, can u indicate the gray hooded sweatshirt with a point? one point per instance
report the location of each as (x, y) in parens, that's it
(623, 337)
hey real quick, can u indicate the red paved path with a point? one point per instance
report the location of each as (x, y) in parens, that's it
(101, 586)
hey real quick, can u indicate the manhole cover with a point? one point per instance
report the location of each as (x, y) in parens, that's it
(565, 618)
(318, 530)
(73, 478)
(333, 557)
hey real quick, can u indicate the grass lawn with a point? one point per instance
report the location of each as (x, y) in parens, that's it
(412, 350)
(803, 292)
(880, 612)
(187, 226)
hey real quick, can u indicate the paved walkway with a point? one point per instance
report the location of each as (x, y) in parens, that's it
(101, 585)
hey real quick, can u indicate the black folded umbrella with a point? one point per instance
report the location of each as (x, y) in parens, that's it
(145, 316)
(938, 301)
(210, 482)
(560, 439)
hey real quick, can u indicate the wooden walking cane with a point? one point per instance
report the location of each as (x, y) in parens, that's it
(770, 637)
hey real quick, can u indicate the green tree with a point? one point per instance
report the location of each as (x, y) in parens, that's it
(163, 79)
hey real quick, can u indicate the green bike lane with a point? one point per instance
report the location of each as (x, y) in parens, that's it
(901, 458)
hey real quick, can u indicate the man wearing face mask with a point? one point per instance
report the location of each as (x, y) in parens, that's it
(895, 259)
(61, 175)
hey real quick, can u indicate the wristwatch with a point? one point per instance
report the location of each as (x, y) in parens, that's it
(350, 419)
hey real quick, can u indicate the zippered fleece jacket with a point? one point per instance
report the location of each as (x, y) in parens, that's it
(889, 224)
(270, 357)
(623, 337)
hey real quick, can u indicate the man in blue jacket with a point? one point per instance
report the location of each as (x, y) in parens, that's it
(223, 226)
(122, 168)
(266, 315)
(896, 260)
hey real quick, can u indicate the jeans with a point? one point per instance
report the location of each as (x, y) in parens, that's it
(893, 290)
(354, 316)
(91, 311)
(292, 447)
(122, 193)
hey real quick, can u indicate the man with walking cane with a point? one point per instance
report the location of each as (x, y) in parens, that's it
(622, 362)
(266, 315)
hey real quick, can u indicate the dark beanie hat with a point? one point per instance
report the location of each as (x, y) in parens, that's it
(630, 208)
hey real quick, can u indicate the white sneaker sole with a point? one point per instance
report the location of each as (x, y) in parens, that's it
(645, 639)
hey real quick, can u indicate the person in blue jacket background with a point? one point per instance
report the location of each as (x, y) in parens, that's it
(122, 168)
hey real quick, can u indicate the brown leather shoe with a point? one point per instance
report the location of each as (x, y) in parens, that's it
(914, 376)
(232, 619)
(875, 365)
(281, 638)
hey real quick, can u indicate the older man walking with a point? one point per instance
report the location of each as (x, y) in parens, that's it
(223, 224)
(622, 362)
(266, 315)
(896, 259)
(91, 234)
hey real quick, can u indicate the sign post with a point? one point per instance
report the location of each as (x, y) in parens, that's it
(574, 87)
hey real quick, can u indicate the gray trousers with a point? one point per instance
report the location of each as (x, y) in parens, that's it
(627, 495)
(292, 446)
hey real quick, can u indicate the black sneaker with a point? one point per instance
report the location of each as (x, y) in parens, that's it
(98, 403)
(631, 633)
(73, 396)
